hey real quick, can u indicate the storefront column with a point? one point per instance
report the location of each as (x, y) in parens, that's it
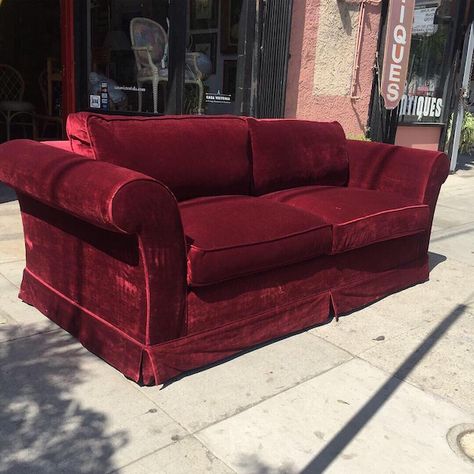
(67, 57)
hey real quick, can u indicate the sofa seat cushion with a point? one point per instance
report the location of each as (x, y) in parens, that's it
(232, 236)
(359, 217)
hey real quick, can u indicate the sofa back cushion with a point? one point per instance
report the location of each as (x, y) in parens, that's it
(194, 156)
(288, 153)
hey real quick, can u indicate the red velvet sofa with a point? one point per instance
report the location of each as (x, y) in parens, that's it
(167, 243)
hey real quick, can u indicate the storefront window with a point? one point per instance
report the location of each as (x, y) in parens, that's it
(213, 38)
(127, 46)
(426, 87)
(128, 55)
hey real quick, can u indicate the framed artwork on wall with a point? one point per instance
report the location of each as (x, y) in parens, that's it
(206, 43)
(230, 17)
(203, 14)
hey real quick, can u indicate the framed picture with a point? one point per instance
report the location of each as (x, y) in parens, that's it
(229, 81)
(230, 18)
(206, 43)
(203, 14)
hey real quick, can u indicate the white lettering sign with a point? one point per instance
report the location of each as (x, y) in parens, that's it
(421, 106)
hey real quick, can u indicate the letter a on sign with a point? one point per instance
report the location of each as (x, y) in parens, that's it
(396, 51)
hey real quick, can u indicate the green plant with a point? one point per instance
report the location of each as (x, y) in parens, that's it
(466, 142)
(467, 133)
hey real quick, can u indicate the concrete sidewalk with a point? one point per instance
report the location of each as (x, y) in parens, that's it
(377, 391)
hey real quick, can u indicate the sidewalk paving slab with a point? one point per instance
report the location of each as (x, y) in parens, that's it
(184, 457)
(406, 434)
(212, 394)
(65, 410)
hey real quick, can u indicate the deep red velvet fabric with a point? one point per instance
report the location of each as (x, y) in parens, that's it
(61, 144)
(359, 217)
(107, 256)
(211, 306)
(288, 153)
(107, 238)
(231, 236)
(212, 151)
(412, 173)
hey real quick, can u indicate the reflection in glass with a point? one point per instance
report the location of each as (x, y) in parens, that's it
(129, 55)
(423, 100)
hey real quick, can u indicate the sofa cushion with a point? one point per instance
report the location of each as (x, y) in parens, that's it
(288, 153)
(193, 155)
(359, 217)
(231, 236)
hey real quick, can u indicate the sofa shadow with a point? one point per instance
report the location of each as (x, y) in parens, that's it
(434, 259)
(44, 429)
(190, 373)
(7, 194)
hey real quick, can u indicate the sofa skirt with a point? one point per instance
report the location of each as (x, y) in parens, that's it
(156, 364)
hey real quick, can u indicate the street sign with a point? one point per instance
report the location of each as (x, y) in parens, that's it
(396, 51)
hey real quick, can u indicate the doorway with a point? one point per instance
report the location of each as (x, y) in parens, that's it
(30, 69)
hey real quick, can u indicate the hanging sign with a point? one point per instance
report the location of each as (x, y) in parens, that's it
(397, 51)
(423, 21)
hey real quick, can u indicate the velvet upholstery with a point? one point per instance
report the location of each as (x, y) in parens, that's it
(231, 236)
(413, 173)
(109, 253)
(288, 153)
(213, 151)
(359, 217)
(117, 233)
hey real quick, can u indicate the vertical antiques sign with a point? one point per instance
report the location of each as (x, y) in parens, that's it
(397, 51)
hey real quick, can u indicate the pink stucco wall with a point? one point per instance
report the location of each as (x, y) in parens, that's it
(301, 99)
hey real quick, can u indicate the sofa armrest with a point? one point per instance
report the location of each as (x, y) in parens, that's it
(113, 198)
(85, 188)
(413, 173)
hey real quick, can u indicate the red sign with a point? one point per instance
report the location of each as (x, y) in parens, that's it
(397, 51)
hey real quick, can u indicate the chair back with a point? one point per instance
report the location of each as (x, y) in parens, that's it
(146, 33)
(12, 85)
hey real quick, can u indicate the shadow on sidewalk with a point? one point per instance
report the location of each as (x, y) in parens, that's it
(6, 194)
(434, 259)
(465, 162)
(350, 430)
(43, 429)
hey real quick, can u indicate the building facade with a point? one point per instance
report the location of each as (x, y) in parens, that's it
(306, 59)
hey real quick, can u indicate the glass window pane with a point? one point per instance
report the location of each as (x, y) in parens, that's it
(211, 60)
(128, 55)
(424, 96)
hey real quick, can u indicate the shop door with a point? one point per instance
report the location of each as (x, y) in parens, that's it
(31, 84)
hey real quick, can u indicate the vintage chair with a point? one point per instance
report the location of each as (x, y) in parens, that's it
(150, 45)
(12, 88)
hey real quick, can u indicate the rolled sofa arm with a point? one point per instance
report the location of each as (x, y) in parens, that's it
(413, 173)
(85, 188)
(119, 200)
